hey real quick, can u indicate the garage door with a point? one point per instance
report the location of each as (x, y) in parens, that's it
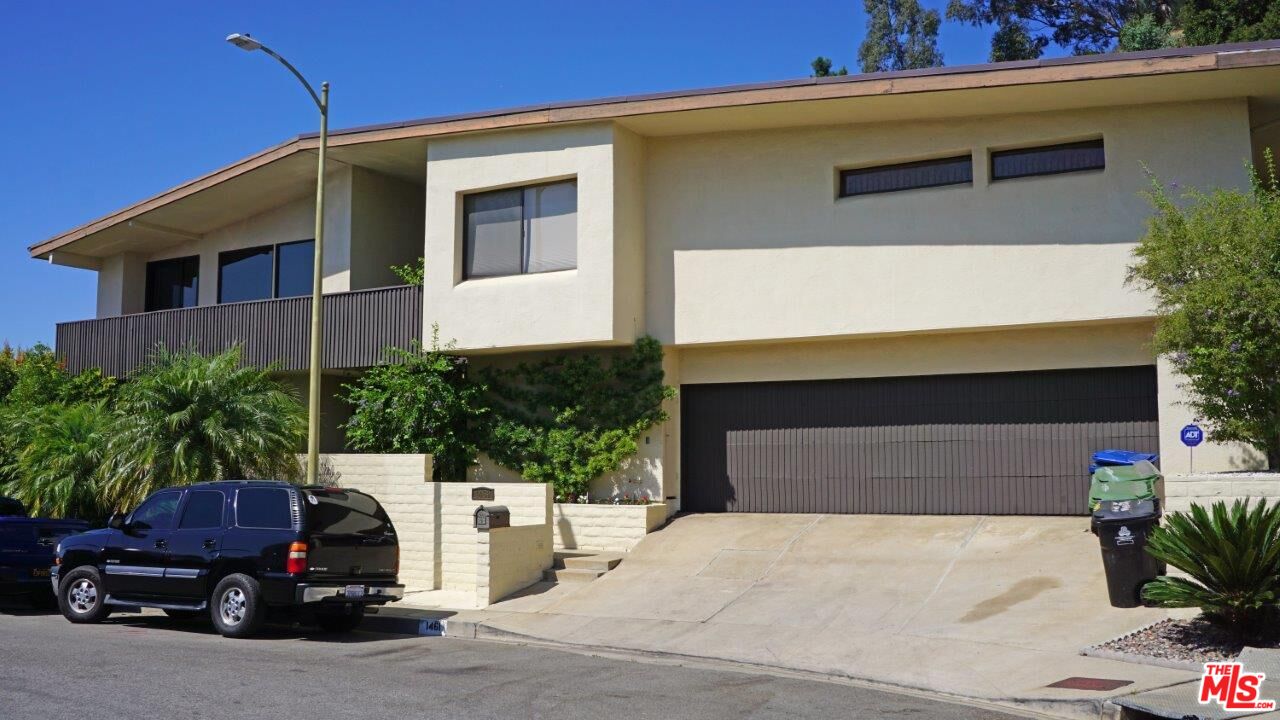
(992, 443)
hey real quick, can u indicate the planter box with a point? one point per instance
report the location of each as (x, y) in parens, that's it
(615, 528)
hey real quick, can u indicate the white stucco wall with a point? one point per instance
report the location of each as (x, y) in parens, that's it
(537, 310)
(747, 240)
(386, 227)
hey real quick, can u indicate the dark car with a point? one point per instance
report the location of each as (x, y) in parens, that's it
(237, 550)
(26, 550)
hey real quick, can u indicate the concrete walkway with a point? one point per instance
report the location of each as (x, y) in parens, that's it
(989, 608)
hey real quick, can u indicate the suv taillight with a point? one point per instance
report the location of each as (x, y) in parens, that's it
(297, 560)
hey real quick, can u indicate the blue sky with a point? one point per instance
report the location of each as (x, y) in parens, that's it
(103, 104)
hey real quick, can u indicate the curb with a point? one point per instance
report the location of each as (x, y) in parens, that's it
(442, 625)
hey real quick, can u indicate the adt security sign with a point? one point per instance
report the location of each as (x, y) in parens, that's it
(1192, 435)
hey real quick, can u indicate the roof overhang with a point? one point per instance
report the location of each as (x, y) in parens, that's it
(287, 171)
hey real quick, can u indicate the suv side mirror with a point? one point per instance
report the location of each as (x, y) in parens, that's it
(116, 522)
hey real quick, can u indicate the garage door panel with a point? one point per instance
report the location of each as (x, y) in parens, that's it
(994, 443)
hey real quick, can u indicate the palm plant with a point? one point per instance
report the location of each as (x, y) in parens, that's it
(1232, 557)
(186, 418)
(57, 470)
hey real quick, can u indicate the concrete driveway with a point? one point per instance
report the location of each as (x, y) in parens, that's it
(994, 608)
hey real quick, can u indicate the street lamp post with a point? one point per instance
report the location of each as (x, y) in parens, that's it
(244, 42)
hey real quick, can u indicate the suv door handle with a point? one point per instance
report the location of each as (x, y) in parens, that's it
(209, 544)
(162, 544)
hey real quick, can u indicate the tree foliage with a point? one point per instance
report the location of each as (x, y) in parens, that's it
(59, 459)
(1145, 33)
(423, 402)
(571, 418)
(185, 418)
(411, 273)
(1213, 265)
(1025, 27)
(822, 67)
(1232, 558)
(1206, 22)
(901, 35)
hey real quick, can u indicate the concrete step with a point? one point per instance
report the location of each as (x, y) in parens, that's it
(604, 562)
(571, 575)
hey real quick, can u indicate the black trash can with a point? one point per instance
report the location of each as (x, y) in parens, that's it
(1123, 527)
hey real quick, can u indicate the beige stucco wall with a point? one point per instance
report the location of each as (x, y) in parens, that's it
(747, 240)
(609, 528)
(1181, 490)
(386, 227)
(509, 559)
(1175, 457)
(372, 221)
(334, 411)
(527, 311)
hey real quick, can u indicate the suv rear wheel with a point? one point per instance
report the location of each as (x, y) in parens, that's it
(236, 606)
(340, 620)
(81, 597)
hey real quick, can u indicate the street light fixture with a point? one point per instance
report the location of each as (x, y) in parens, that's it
(247, 43)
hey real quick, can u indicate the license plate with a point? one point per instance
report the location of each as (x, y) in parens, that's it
(353, 592)
(40, 572)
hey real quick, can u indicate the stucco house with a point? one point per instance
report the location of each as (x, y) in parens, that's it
(900, 292)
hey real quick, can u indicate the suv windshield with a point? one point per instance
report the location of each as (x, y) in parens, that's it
(339, 512)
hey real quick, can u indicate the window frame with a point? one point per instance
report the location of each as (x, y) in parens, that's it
(524, 241)
(1027, 150)
(186, 504)
(275, 268)
(868, 169)
(148, 281)
(235, 508)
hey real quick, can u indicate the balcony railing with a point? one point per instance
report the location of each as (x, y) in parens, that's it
(358, 326)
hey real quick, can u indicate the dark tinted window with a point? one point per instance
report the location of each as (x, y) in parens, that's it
(203, 510)
(245, 274)
(156, 513)
(263, 508)
(11, 508)
(907, 176)
(1047, 160)
(294, 262)
(521, 230)
(173, 283)
(344, 513)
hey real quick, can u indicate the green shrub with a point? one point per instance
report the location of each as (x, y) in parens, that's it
(185, 418)
(1232, 556)
(571, 418)
(423, 403)
(1213, 265)
(57, 471)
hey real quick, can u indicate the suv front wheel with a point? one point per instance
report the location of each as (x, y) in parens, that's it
(236, 606)
(81, 598)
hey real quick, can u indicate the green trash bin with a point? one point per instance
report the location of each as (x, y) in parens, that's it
(1123, 482)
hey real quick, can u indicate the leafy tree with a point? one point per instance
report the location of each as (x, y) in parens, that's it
(57, 471)
(1213, 266)
(1013, 40)
(423, 402)
(1232, 559)
(1084, 26)
(1145, 33)
(822, 68)
(8, 371)
(901, 35)
(37, 377)
(411, 273)
(1206, 22)
(185, 418)
(571, 418)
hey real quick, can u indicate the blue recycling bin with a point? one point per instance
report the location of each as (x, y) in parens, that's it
(1118, 457)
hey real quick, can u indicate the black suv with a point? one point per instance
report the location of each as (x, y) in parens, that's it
(236, 549)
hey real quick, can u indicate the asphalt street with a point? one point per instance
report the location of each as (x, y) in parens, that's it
(151, 666)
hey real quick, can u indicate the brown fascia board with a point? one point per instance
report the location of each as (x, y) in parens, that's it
(1025, 72)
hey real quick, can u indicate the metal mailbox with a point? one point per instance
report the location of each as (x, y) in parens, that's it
(488, 517)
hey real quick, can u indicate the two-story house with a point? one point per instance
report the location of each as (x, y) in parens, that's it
(901, 292)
